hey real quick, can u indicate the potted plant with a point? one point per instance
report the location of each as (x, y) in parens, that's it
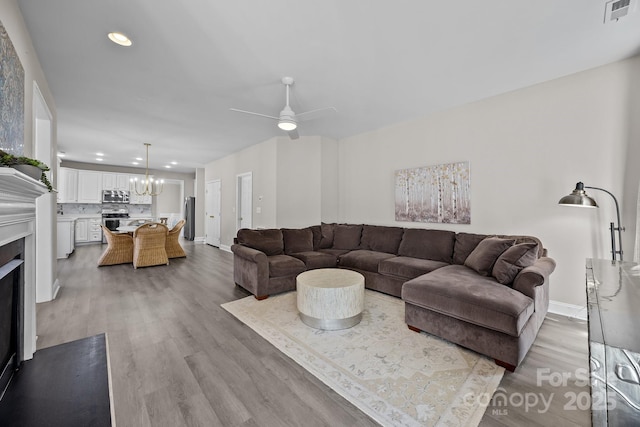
(30, 167)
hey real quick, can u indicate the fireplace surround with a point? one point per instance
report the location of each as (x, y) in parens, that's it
(18, 194)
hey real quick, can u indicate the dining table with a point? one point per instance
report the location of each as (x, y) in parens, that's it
(127, 228)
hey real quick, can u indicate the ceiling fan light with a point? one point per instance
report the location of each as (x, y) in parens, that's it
(287, 124)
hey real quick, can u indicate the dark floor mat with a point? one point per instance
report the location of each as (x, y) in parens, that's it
(63, 385)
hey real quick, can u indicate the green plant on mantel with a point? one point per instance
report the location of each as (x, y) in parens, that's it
(9, 160)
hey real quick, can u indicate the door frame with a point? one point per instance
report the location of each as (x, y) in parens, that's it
(207, 202)
(239, 179)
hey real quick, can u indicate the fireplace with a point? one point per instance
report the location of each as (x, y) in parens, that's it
(11, 310)
(18, 195)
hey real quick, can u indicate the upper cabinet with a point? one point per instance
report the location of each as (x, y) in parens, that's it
(115, 181)
(89, 187)
(68, 185)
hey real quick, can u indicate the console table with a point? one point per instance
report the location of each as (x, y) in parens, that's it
(613, 299)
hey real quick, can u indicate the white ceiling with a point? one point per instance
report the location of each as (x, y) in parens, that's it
(377, 62)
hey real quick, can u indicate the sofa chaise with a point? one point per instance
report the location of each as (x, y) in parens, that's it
(486, 293)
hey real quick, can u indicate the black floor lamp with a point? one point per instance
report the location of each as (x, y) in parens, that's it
(579, 198)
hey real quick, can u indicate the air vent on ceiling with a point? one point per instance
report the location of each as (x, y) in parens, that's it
(616, 9)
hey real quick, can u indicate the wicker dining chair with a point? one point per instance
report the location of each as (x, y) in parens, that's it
(119, 248)
(149, 245)
(174, 250)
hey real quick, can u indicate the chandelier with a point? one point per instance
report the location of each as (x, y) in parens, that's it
(147, 187)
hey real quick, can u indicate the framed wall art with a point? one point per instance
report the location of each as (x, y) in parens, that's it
(11, 97)
(439, 194)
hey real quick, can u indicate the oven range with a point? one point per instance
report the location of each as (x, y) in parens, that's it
(111, 218)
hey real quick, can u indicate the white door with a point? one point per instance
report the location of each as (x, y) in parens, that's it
(244, 198)
(212, 213)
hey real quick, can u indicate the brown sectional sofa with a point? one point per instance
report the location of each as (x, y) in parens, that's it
(486, 293)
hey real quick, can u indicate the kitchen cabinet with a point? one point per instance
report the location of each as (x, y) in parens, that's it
(67, 185)
(89, 187)
(115, 181)
(66, 237)
(88, 230)
(94, 230)
(82, 230)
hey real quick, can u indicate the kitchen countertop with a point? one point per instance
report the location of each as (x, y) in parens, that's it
(67, 218)
(80, 216)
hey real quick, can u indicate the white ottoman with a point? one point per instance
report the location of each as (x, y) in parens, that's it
(330, 298)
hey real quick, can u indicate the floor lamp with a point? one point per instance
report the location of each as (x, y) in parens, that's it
(579, 198)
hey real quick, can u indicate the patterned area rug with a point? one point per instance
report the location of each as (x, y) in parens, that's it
(394, 375)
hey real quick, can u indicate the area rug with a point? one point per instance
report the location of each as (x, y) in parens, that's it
(396, 376)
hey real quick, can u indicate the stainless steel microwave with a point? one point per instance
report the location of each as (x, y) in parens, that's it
(115, 196)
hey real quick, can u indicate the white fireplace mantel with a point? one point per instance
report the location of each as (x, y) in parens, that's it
(18, 194)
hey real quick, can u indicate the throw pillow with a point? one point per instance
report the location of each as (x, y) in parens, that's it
(326, 239)
(347, 236)
(513, 260)
(297, 240)
(268, 241)
(482, 258)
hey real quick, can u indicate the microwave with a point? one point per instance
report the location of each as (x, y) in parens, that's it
(115, 196)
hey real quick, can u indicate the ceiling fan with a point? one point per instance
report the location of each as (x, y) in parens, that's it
(288, 120)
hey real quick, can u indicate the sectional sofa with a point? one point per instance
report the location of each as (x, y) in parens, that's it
(486, 293)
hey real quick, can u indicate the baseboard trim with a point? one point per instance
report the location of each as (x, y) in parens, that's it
(199, 240)
(569, 310)
(56, 288)
(225, 248)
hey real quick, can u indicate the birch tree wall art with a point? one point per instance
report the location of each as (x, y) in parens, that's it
(439, 193)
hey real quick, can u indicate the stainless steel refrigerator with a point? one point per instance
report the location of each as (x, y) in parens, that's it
(190, 217)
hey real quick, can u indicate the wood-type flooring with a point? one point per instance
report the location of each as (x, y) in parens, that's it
(177, 358)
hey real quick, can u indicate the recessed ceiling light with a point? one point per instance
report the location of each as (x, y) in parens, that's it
(100, 154)
(119, 38)
(174, 163)
(167, 166)
(99, 159)
(61, 154)
(135, 163)
(139, 159)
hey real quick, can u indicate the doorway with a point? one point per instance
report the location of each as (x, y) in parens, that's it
(212, 213)
(244, 191)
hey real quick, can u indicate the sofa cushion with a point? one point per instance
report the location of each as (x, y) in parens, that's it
(513, 260)
(484, 256)
(408, 268)
(316, 230)
(315, 259)
(465, 244)
(297, 240)
(381, 239)
(268, 241)
(459, 292)
(346, 236)
(284, 265)
(436, 245)
(363, 260)
(326, 235)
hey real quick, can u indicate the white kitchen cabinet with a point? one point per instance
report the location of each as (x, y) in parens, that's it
(115, 181)
(66, 237)
(89, 187)
(94, 230)
(108, 181)
(82, 230)
(67, 185)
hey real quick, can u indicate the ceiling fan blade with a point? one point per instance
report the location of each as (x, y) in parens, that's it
(314, 114)
(254, 114)
(293, 134)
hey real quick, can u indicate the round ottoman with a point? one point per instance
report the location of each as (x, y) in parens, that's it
(330, 298)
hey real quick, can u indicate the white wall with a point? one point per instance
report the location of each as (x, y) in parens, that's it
(527, 149)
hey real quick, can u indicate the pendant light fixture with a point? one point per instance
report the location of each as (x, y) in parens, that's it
(148, 187)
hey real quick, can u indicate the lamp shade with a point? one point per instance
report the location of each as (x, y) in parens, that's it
(579, 198)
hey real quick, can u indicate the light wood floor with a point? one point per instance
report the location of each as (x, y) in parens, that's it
(178, 358)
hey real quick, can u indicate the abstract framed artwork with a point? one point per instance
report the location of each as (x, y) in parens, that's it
(439, 194)
(11, 97)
